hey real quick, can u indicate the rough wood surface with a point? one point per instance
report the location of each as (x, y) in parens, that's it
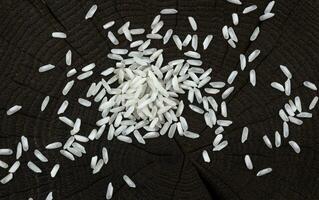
(163, 169)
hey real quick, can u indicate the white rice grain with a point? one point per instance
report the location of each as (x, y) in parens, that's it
(191, 135)
(7, 178)
(237, 2)
(267, 141)
(195, 42)
(196, 109)
(248, 162)
(211, 90)
(45, 103)
(206, 156)
(232, 34)
(313, 103)
(208, 120)
(25, 143)
(194, 62)
(81, 138)
(54, 145)
(156, 19)
(187, 40)
(6, 152)
(232, 77)
(172, 130)
(249, 9)
(192, 54)
(137, 31)
(108, 25)
(217, 139)
(40, 156)
(126, 26)
(310, 85)
(129, 181)
(14, 167)
(220, 146)
(193, 23)
(168, 11)
(295, 120)
(264, 172)
(93, 162)
(255, 34)
(235, 19)
(58, 35)
(266, 16)
(283, 115)
(112, 38)
(213, 103)
(63, 107)
(285, 128)
(232, 43)
(225, 32)
(224, 122)
(288, 87)
(278, 86)
(277, 139)
(91, 12)
(219, 130)
(97, 168)
(253, 55)
(67, 154)
(144, 45)
(157, 27)
(292, 105)
(227, 92)
(177, 41)
(223, 108)
(109, 191)
(289, 110)
(84, 75)
(124, 139)
(67, 87)
(49, 196)
(151, 135)
(243, 62)
(89, 67)
(207, 41)
(76, 126)
(269, 7)
(244, 135)
(167, 36)
(286, 71)
(68, 143)
(298, 103)
(252, 77)
(165, 128)
(54, 170)
(34, 167)
(71, 72)
(84, 102)
(68, 58)
(13, 109)
(105, 155)
(139, 137)
(294, 146)
(3, 164)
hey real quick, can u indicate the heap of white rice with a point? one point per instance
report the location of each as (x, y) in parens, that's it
(138, 98)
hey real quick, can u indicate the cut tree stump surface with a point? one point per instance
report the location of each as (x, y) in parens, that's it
(163, 169)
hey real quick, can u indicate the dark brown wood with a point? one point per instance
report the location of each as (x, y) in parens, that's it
(163, 169)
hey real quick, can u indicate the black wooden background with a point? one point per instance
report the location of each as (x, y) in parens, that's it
(162, 169)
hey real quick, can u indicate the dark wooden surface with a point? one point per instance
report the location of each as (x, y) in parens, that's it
(163, 169)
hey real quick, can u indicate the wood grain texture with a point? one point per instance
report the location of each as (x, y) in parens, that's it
(163, 169)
